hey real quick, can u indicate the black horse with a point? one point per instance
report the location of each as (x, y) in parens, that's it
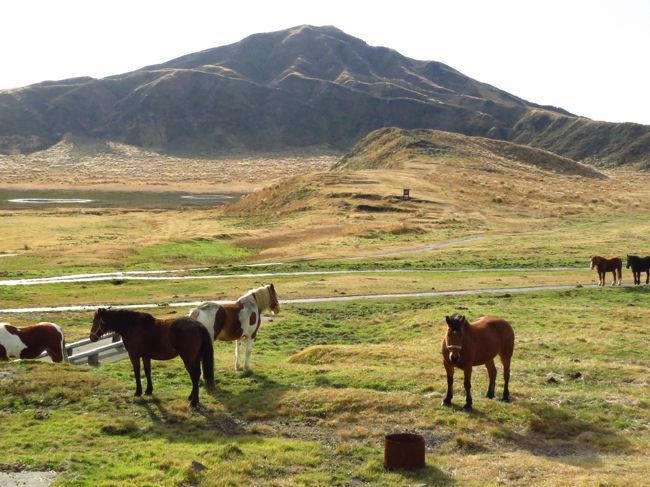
(639, 265)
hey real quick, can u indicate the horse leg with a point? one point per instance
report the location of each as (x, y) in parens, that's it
(450, 384)
(195, 375)
(146, 362)
(492, 374)
(614, 281)
(55, 354)
(468, 388)
(601, 278)
(505, 360)
(194, 370)
(135, 363)
(647, 277)
(237, 354)
(249, 349)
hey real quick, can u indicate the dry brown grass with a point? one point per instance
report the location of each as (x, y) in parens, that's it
(111, 165)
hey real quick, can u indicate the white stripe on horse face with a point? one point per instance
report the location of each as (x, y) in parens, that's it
(12, 343)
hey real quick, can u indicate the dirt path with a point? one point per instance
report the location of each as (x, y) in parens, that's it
(156, 275)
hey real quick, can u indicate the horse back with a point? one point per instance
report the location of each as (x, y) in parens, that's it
(493, 334)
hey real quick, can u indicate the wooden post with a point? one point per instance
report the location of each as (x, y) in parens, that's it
(93, 360)
(406, 196)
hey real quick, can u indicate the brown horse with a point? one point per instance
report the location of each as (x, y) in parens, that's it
(146, 338)
(466, 345)
(239, 320)
(31, 341)
(603, 266)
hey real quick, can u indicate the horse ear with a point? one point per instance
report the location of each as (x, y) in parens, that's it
(448, 320)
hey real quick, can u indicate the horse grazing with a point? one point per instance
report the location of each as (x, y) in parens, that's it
(239, 320)
(146, 337)
(639, 265)
(468, 344)
(603, 266)
(30, 341)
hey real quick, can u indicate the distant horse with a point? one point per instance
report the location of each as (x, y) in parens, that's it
(146, 337)
(639, 265)
(31, 341)
(603, 266)
(466, 345)
(239, 320)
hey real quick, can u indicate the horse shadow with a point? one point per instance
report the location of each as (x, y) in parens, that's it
(260, 397)
(558, 433)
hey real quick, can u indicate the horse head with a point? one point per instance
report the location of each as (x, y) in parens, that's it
(99, 326)
(593, 261)
(630, 259)
(456, 325)
(274, 302)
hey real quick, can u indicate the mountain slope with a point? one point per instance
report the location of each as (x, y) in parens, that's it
(304, 86)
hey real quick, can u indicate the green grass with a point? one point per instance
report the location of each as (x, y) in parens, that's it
(206, 251)
(330, 380)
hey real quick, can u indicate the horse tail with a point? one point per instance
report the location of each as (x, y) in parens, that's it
(207, 358)
(64, 353)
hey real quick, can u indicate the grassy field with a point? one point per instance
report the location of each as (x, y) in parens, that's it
(330, 380)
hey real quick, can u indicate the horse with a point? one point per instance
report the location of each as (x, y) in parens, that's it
(603, 266)
(639, 265)
(239, 320)
(146, 337)
(468, 344)
(30, 341)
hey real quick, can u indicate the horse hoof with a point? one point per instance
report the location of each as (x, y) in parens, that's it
(505, 398)
(467, 407)
(137, 394)
(490, 395)
(148, 393)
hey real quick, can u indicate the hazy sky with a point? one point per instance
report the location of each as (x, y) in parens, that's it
(589, 57)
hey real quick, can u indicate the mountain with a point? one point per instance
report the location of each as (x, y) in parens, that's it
(300, 87)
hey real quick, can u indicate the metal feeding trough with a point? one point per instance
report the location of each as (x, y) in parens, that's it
(403, 450)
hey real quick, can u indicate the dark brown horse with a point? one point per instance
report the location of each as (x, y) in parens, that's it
(603, 266)
(466, 345)
(147, 338)
(31, 341)
(639, 265)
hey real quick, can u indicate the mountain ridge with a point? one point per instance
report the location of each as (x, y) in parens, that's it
(299, 87)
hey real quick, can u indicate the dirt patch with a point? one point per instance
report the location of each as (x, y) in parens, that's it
(27, 479)
(380, 209)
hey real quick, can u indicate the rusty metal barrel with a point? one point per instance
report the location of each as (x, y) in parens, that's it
(403, 451)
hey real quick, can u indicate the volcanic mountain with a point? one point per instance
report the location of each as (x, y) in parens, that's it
(301, 87)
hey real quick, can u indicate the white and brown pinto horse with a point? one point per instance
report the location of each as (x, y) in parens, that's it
(603, 266)
(239, 320)
(29, 342)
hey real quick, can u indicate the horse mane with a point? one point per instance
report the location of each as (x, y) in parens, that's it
(262, 297)
(120, 318)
